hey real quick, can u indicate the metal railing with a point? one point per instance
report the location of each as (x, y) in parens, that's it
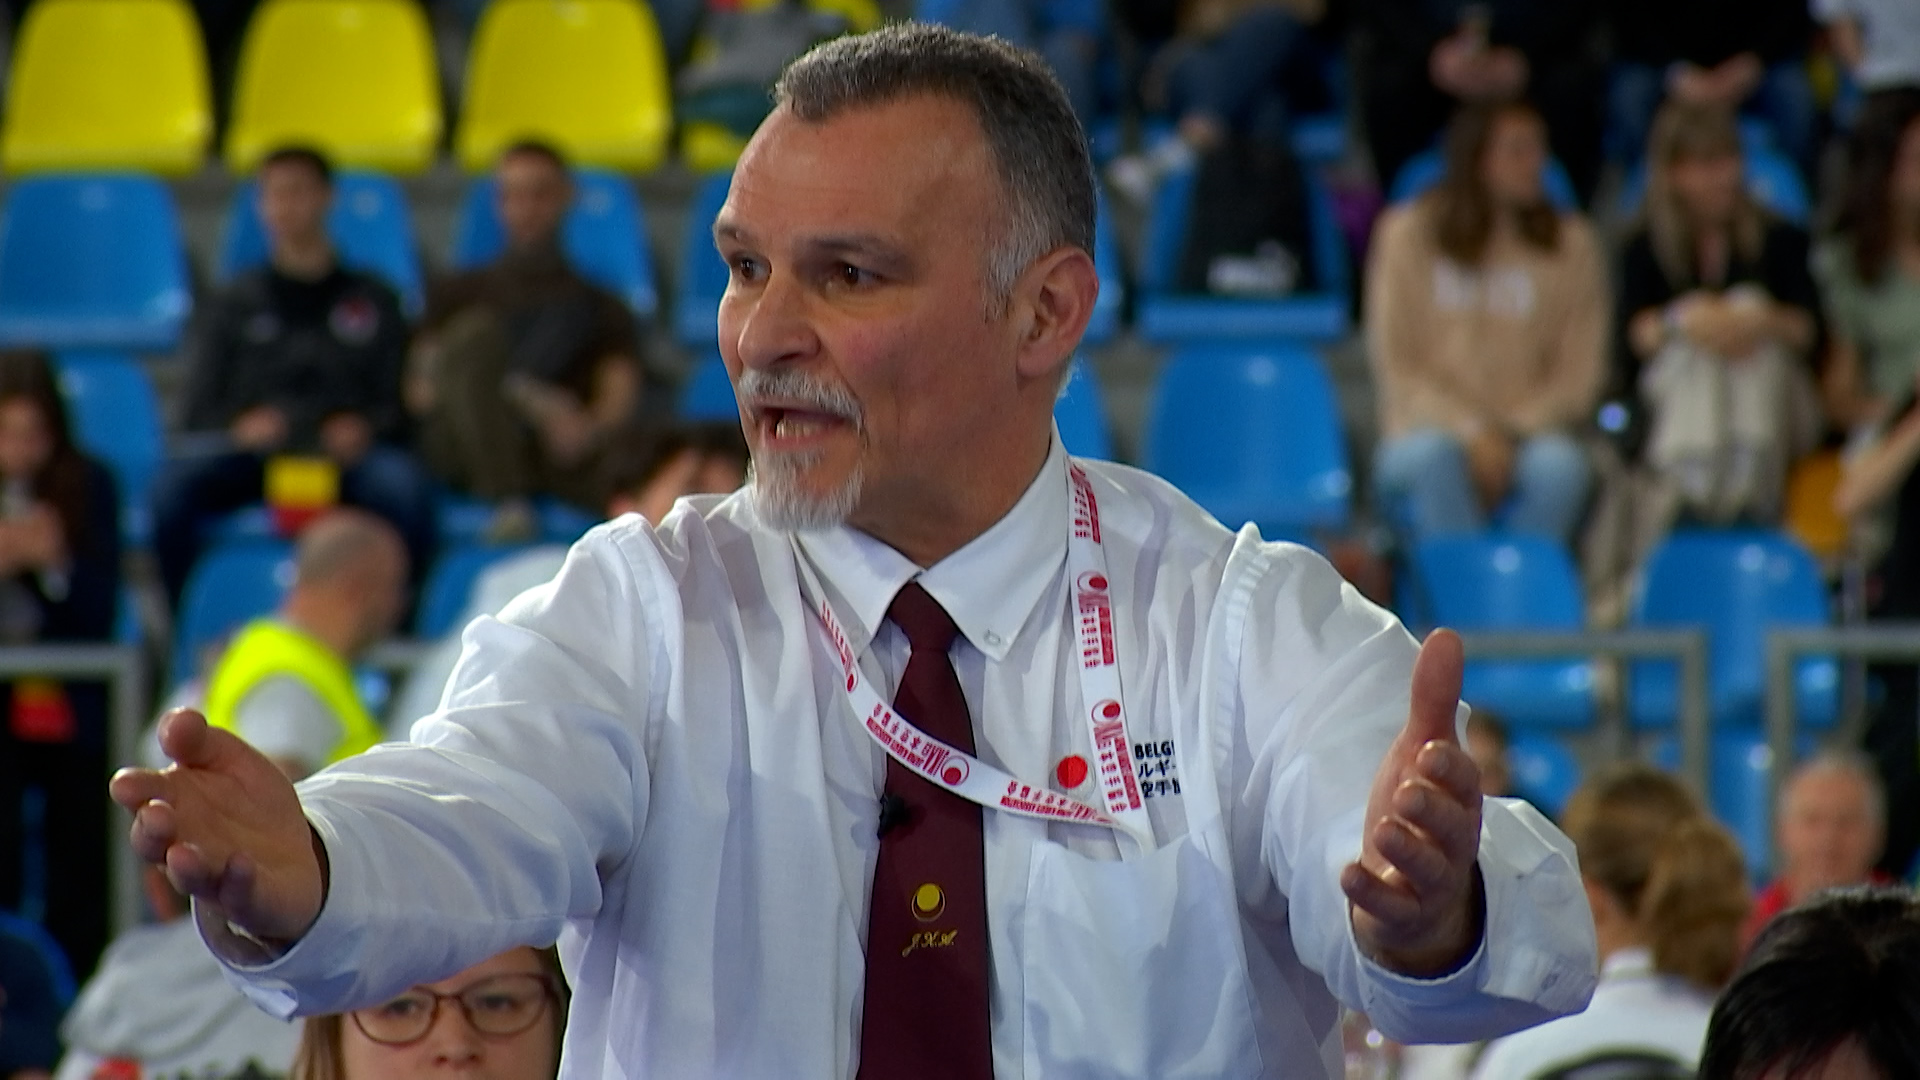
(1687, 646)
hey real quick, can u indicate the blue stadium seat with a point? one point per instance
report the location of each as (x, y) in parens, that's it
(1081, 414)
(1737, 775)
(1165, 316)
(116, 418)
(1736, 583)
(92, 262)
(450, 582)
(703, 275)
(462, 520)
(1424, 170)
(563, 523)
(369, 223)
(708, 393)
(36, 938)
(1511, 583)
(604, 235)
(230, 585)
(1544, 771)
(1252, 433)
(1772, 179)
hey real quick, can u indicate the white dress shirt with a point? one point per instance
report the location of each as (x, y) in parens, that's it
(1634, 1009)
(653, 758)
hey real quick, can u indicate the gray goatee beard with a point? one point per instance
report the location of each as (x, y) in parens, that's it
(775, 481)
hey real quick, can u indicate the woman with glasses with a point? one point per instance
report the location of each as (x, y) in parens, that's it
(500, 1019)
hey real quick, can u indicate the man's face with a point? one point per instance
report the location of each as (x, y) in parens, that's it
(293, 204)
(873, 366)
(1828, 835)
(533, 199)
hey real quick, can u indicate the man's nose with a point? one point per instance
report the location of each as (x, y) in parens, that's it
(773, 324)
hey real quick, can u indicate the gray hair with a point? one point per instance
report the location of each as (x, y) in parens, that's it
(1851, 762)
(1039, 149)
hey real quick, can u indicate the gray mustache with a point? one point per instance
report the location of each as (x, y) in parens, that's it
(755, 386)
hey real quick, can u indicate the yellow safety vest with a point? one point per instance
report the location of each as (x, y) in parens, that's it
(265, 649)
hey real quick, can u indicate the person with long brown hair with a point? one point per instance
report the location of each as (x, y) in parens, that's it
(1668, 890)
(1486, 326)
(1870, 272)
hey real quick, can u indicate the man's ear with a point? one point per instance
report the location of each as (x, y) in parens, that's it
(1057, 293)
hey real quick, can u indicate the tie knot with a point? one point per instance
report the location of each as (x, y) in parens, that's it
(928, 627)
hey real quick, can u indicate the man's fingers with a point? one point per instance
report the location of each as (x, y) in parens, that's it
(1423, 864)
(1436, 688)
(191, 871)
(134, 788)
(1391, 905)
(152, 832)
(1452, 828)
(190, 741)
(1452, 770)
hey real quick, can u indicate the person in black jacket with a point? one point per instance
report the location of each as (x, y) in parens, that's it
(301, 356)
(59, 583)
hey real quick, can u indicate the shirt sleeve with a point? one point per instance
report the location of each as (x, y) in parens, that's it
(490, 829)
(284, 719)
(1323, 681)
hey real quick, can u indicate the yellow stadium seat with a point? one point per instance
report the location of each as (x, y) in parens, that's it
(709, 147)
(1810, 515)
(355, 79)
(588, 76)
(108, 84)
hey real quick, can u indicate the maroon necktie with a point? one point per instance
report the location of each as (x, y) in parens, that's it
(926, 1015)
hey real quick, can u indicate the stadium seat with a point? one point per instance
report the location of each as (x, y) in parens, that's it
(450, 582)
(1252, 433)
(1736, 584)
(703, 275)
(370, 225)
(588, 76)
(35, 937)
(230, 585)
(1544, 771)
(116, 418)
(1424, 170)
(708, 392)
(92, 262)
(462, 520)
(354, 79)
(1772, 180)
(1167, 317)
(1081, 415)
(1514, 584)
(106, 85)
(604, 235)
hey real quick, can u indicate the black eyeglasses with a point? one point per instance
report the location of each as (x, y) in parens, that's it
(501, 1005)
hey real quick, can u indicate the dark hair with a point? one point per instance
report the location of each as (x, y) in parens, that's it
(318, 1056)
(1645, 839)
(303, 156)
(1843, 967)
(1867, 217)
(634, 457)
(1463, 208)
(27, 375)
(1039, 149)
(537, 148)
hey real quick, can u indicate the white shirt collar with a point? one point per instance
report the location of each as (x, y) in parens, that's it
(989, 586)
(1633, 962)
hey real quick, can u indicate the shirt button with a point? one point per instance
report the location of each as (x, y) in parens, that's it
(993, 638)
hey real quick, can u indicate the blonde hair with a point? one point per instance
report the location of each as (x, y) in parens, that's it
(1684, 132)
(1645, 839)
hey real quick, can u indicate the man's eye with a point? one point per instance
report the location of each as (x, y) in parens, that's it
(852, 276)
(747, 268)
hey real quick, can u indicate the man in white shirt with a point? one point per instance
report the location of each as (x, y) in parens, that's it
(669, 756)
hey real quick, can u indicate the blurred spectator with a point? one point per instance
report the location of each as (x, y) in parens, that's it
(1731, 55)
(1831, 991)
(1487, 743)
(304, 357)
(1424, 58)
(284, 683)
(29, 1010)
(522, 367)
(1870, 273)
(1669, 893)
(1486, 326)
(59, 582)
(1718, 314)
(643, 474)
(1877, 40)
(1830, 822)
(160, 1007)
(501, 1019)
(1069, 34)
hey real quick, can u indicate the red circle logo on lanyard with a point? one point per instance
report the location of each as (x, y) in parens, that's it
(955, 773)
(1072, 771)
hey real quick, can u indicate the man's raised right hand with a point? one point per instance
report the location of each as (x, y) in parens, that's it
(226, 826)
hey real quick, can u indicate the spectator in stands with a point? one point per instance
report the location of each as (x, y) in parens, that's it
(643, 473)
(1831, 991)
(285, 683)
(160, 1007)
(1069, 34)
(1422, 59)
(523, 367)
(1669, 892)
(1830, 822)
(1729, 55)
(29, 1010)
(1869, 274)
(1718, 315)
(59, 583)
(300, 357)
(1877, 40)
(1486, 327)
(501, 1018)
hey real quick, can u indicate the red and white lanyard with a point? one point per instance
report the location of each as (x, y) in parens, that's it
(1121, 805)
